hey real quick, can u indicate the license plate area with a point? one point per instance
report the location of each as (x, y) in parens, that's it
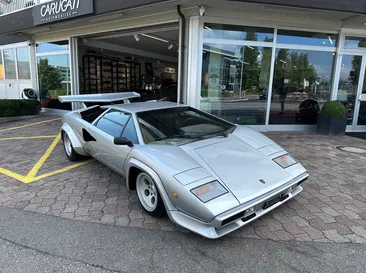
(275, 200)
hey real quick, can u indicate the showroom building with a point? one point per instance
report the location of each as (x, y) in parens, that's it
(270, 64)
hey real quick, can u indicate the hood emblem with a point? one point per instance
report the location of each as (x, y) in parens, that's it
(262, 181)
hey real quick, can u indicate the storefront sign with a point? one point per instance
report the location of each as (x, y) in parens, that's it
(61, 10)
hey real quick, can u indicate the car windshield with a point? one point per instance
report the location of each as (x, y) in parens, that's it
(181, 124)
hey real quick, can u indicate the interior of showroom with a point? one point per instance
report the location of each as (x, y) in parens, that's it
(144, 60)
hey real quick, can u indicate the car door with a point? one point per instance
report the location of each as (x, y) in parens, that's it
(113, 124)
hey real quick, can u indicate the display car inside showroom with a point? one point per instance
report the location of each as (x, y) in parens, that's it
(268, 64)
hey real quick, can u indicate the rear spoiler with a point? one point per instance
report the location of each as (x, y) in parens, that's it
(104, 98)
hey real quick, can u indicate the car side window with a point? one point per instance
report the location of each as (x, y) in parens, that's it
(130, 132)
(113, 123)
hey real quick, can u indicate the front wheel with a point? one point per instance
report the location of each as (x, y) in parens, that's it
(69, 150)
(149, 196)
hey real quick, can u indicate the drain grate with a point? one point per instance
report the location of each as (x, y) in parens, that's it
(350, 149)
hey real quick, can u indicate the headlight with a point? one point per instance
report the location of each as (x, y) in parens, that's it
(209, 191)
(285, 161)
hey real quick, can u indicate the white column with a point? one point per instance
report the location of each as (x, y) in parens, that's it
(74, 69)
(33, 65)
(194, 57)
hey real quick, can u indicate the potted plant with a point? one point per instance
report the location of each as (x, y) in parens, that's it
(332, 120)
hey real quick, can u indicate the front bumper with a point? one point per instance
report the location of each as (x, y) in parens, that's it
(236, 218)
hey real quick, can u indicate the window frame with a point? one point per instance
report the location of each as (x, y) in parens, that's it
(274, 45)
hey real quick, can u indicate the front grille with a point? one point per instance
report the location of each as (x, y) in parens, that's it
(233, 218)
(247, 218)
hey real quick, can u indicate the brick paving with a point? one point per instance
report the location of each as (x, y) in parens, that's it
(331, 208)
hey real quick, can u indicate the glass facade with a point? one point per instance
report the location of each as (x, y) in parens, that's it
(10, 65)
(23, 63)
(53, 74)
(2, 74)
(302, 83)
(237, 80)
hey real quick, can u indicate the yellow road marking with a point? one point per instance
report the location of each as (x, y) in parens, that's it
(28, 125)
(32, 174)
(31, 137)
(61, 170)
(11, 174)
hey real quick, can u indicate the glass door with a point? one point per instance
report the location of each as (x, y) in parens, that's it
(351, 86)
(359, 123)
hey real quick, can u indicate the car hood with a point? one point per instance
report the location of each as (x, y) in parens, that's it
(242, 168)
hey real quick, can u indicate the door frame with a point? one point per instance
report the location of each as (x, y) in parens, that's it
(354, 127)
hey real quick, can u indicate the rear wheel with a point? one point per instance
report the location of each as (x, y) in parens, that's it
(69, 150)
(149, 196)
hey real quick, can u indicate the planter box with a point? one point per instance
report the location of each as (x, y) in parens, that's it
(331, 126)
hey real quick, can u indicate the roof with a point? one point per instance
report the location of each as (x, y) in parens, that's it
(138, 107)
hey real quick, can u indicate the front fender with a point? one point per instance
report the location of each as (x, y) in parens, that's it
(138, 164)
(76, 144)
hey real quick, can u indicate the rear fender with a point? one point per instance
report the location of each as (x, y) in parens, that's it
(138, 164)
(76, 144)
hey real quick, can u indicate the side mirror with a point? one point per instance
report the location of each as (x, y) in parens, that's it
(122, 141)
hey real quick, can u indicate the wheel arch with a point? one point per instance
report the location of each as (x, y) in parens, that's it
(76, 144)
(134, 167)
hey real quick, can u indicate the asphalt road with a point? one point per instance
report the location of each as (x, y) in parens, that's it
(32, 242)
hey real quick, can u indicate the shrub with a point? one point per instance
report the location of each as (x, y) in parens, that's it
(14, 108)
(333, 109)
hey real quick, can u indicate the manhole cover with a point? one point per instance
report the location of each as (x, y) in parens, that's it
(351, 149)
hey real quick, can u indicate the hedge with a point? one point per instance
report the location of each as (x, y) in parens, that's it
(14, 108)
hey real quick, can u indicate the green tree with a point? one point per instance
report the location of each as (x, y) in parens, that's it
(296, 69)
(48, 76)
(251, 67)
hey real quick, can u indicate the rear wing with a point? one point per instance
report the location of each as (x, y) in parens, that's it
(103, 98)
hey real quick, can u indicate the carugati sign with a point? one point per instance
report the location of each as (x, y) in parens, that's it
(61, 10)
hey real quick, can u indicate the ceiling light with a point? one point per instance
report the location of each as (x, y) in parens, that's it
(330, 40)
(250, 47)
(155, 38)
(206, 27)
(170, 47)
(137, 38)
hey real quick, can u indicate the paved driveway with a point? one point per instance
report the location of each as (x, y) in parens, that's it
(36, 176)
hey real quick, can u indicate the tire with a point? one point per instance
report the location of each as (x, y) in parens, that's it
(149, 196)
(69, 150)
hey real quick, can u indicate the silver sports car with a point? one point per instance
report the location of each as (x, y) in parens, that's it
(209, 175)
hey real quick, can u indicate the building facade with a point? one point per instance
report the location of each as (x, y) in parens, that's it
(270, 64)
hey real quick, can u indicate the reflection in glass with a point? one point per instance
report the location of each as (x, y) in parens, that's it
(23, 63)
(348, 83)
(362, 112)
(52, 47)
(54, 80)
(1, 66)
(355, 42)
(306, 38)
(302, 84)
(218, 31)
(10, 67)
(235, 82)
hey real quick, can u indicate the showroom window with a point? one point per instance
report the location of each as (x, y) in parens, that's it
(23, 63)
(10, 65)
(53, 65)
(1, 66)
(306, 38)
(236, 74)
(302, 83)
